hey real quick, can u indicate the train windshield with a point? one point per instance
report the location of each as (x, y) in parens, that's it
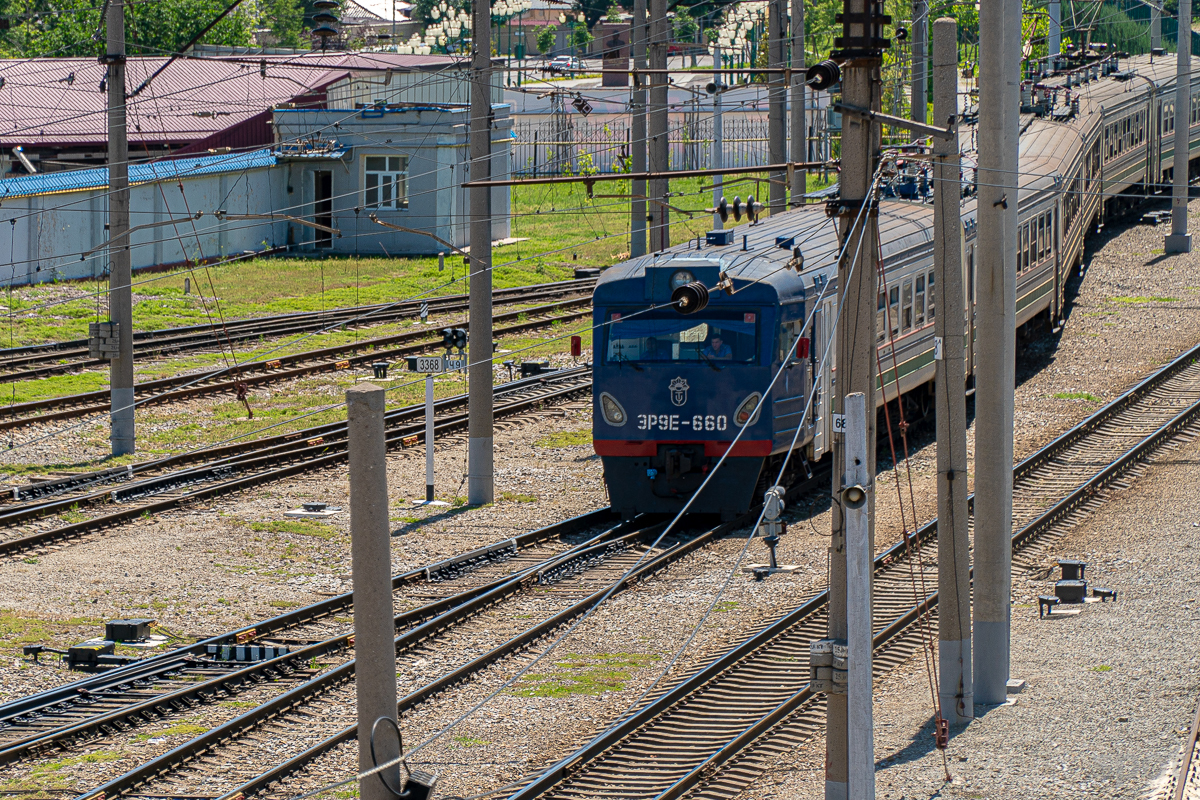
(714, 335)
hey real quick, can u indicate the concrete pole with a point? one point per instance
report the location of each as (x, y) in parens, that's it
(718, 159)
(120, 272)
(955, 689)
(799, 120)
(856, 366)
(479, 445)
(1055, 35)
(371, 561)
(429, 438)
(657, 123)
(1179, 240)
(1155, 24)
(999, 43)
(637, 133)
(777, 102)
(920, 60)
(859, 690)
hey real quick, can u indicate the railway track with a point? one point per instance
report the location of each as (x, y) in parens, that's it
(1182, 781)
(56, 358)
(317, 716)
(158, 688)
(714, 732)
(150, 487)
(296, 365)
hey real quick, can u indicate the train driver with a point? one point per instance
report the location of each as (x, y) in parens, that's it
(717, 349)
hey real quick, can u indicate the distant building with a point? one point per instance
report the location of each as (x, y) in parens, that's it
(313, 190)
(54, 109)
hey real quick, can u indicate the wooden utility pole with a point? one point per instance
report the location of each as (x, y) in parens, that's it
(799, 121)
(479, 446)
(861, 46)
(777, 101)
(955, 690)
(995, 314)
(637, 133)
(660, 227)
(120, 274)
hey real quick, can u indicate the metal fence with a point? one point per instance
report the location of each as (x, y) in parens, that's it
(566, 143)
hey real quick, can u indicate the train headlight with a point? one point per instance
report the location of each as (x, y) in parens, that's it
(611, 410)
(748, 411)
(681, 278)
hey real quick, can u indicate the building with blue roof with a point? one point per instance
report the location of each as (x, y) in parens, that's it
(331, 174)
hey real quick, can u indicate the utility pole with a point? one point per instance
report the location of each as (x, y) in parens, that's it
(995, 311)
(859, 688)
(861, 51)
(637, 135)
(1180, 241)
(955, 691)
(718, 159)
(799, 121)
(1155, 24)
(1055, 33)
(371, 561)
(660, 228)
(777, 102)
(120, 272)
(920, 60)
(479, 446)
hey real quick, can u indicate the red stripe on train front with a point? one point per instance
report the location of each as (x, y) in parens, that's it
(623, 447)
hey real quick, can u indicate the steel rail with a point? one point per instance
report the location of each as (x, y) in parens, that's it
(133, 779)
(1186, 762)
(1081, 494)
(446, 610)
(316, 456)
(56, 486)
(272, 370)
(192, 337)
(267, 628)
(414, 699)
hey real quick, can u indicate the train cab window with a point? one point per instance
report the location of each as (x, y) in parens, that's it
(919, 300)
(1041, 238)
(929, 306)
(1023, 249)
(662, 335)
(881, 317)
(907, 296)
(894, 309)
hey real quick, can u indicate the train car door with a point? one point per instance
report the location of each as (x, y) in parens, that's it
(823, 322)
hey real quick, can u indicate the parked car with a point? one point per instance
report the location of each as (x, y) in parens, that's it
(564, 64)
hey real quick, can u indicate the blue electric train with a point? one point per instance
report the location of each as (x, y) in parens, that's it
(672, 390)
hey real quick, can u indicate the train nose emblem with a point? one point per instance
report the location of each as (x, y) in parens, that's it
(679, 390)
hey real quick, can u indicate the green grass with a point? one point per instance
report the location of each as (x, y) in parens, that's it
(180, 729)
(468, 741)
(282, 604)
(47, 777)
(565, 439)
(1132, 300)
(726, 605)
(1102, 668)
(17, 630)
(1091, 398)
(579, 674)
(513, 497)
(299, 527)
(563, 226)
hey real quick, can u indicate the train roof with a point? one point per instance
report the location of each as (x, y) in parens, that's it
(905, 231)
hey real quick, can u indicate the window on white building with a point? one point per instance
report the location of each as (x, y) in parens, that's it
(386, 182)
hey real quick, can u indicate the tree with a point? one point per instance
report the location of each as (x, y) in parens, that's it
(685, 26)
(285, 19)
(546, 36)
(165, 26)
(581, 38)
(613, 16)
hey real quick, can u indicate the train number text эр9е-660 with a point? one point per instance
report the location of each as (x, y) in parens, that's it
(672, 422)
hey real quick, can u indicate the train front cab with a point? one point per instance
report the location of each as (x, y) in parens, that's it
(672, 391)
